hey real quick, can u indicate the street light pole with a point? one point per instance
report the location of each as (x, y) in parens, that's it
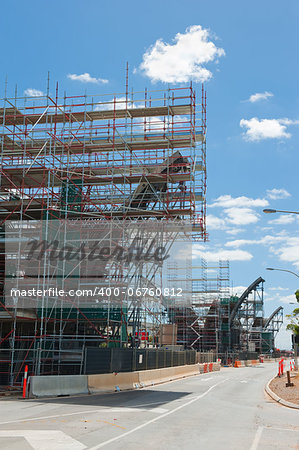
(283, 270)
(272, 211)
(296, 275)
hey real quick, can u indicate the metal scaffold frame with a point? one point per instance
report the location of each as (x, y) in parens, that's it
(219, 322)
(199, 324)
(132, 156)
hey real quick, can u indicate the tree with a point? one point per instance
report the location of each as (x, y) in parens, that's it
(294, 317)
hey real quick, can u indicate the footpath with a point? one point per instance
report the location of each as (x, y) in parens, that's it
(281, 390)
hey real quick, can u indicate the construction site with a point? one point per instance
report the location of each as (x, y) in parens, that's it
(114, 162)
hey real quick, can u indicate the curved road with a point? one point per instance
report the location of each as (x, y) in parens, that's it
(226, 409)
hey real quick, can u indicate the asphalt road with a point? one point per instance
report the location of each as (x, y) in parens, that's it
(219, 410)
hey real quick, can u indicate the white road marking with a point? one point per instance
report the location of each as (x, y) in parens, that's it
(157, 418)
(45, 439)
(104, 410)
(269, 427)
(243, 381)
(259, 432)
(177, 380)
(257, 438)
(156, 410)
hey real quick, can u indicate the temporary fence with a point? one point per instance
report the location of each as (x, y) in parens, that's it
(109, 360)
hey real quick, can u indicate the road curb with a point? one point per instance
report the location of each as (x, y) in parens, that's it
(279, 400)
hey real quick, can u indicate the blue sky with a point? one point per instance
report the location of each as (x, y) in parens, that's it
(250, 166)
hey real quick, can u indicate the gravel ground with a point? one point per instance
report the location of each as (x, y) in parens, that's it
(291, 394)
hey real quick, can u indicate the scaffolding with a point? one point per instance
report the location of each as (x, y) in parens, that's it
(271, 328)
(135, 156)
(222, 323)
(246, 318)
(199, 324)
(208, 292)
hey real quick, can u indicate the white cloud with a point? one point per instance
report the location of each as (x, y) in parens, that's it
(239, 242)
(236, 211)
(260, 96)
(277, 194)
(283, 219)
(278, 288)
(117, 103)
(214, 223)
(224, 224)
(33, 92)
(234, 230)
(289, 250)
(241, 216)
(287, 299)
(289, 121)
(283, 339)
(184, 59)
(272, 240)
(232, 255)
(86, 78)
(290, 253)
(238, 290)
(265, 240)
(227, 201)
(259, 129)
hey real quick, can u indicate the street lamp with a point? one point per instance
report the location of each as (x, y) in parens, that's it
(296, 275)
(272, 211)
(283, 270)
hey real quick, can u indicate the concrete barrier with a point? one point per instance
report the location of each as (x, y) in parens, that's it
(107, 382)
(110, 382)
(251, 362)
(123, 381)
(186, 371)
(55, 385)
(155, 376)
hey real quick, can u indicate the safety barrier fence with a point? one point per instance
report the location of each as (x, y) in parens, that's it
(284, 365)
(109, 360)
(40, 386)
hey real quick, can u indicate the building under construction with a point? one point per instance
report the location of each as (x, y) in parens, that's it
(134, 157)
(223, 323)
